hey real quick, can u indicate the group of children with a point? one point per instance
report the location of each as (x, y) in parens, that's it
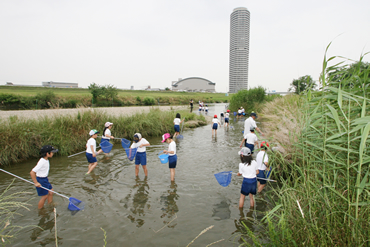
(253, 172)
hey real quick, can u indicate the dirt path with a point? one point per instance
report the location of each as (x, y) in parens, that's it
(115, 111)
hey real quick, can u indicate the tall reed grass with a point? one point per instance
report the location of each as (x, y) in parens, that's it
(22, 139)
(328, 176)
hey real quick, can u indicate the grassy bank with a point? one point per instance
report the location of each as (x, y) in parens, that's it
(324, 194)
(17, 97)
(22, 139)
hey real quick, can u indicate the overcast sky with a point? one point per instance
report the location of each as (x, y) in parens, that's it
(140, 43)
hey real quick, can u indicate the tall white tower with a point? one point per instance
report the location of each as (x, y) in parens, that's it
(239, 49)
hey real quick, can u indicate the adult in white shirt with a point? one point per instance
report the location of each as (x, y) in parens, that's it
(249, 170)
(140, 158)
(249, 122)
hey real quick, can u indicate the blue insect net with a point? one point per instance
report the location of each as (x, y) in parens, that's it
(223, 178)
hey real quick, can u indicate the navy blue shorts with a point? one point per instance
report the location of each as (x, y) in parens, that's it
(239, 114)
(249, 186)
(90, 158)
(172, 161)
(226, 120)
(200, 109)
(140, 158)
(44, 183)
(250, 146)
(261, 175)
(177, 128)
(214, 126)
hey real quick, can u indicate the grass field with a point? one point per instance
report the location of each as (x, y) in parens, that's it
(78, 92)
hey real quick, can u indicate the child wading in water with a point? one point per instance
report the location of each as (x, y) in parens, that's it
(172, 158)
(140, 158)
(39, 175)
(215, 123)
(107, 135)
(248, 169)
(227, 115)
(91, 150)
(262, 162)
(250, 140)
(177, 121)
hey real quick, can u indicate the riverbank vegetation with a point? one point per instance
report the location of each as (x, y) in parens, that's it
(22, 139)
(324, 194)
(23, 98)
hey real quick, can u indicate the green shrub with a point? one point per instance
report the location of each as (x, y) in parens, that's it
(149, 101)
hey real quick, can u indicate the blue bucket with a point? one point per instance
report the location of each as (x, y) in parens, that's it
(163, 158)
(234, 113)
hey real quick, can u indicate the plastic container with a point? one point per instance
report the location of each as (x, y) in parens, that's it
(163, 158)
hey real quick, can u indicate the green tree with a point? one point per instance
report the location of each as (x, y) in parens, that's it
(96, 91)
(247, 99)
(301, 84)
(109, 92)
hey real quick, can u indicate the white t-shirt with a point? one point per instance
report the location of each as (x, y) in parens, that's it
(243, 110)
(262, 155)
(172, 147)
(251, 138)
(215, 120)
(227, 115)
(137, 145)
(248, 171)
(42, 168)
(248, 123)
(107, 132)
(239, 111)
(177, 121)
(206, 108)
(90, 142)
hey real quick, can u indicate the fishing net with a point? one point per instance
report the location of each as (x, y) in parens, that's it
(125, 143)
(223, 178)
(106, 146)
(131, 153)
(75, 204)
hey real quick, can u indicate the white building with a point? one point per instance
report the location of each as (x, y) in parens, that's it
(239, 49)
(194, 84)
(59, 84)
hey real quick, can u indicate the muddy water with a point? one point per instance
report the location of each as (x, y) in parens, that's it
(143, 211)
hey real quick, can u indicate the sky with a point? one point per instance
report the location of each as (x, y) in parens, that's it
(141, 43)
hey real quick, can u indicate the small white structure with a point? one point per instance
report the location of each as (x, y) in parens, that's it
(59, 84)
(194, 84)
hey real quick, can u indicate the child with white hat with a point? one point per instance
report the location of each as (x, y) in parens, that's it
(140, 158)
(91, 150)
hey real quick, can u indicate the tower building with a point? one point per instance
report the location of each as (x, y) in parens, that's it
(239, 49)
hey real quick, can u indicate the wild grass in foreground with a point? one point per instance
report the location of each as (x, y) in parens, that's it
(9, 203)
(22, 139)
(324, 195)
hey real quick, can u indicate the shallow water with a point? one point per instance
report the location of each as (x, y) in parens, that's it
(143, 211)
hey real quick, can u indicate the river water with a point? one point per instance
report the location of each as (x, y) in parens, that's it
(143, 211)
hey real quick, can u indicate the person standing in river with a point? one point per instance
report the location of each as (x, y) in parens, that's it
(249, 170)
(107, 135)
(262, 162)
(191, 105)
(39, 175)
(140, 158)
(172, 157)
(249, 122)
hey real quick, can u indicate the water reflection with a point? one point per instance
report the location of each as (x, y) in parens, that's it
(245, 221)
(139, 201)
(46, 223)
(221, 210)
(168, 200)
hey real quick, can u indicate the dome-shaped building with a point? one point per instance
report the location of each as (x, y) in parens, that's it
(194, 84)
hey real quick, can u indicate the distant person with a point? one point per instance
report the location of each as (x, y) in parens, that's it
(262, 162)
(222, 117)
(172, 158)
(249, 170)
(140, 158)
(107, 135)
(243, 111)
(191, 105)
(227, 117)
(177, 121)
(249, 122)
(200, 108)
(239, 113)
(39, 175)
(250, 140)
(215, 123)
(206, 109)
(91, 150)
